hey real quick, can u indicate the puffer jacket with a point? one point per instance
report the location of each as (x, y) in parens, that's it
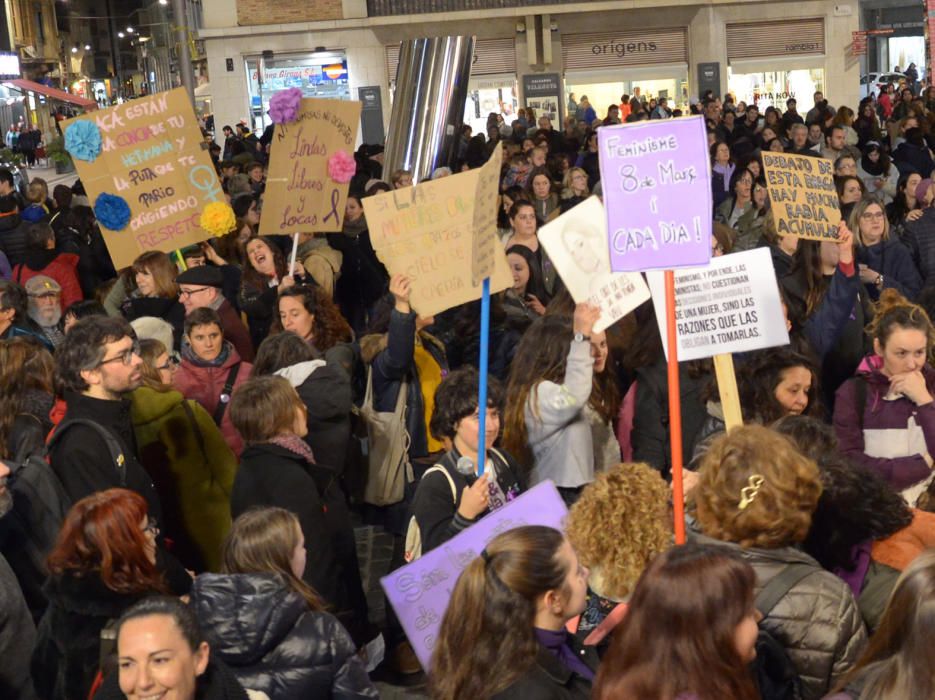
(817, 621)
(267, 635)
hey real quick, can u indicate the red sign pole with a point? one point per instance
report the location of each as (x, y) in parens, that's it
(675, 412)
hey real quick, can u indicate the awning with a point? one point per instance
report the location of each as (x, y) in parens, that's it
(52, 93)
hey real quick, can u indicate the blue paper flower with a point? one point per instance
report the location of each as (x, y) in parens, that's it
(83, 140)
(112, 211)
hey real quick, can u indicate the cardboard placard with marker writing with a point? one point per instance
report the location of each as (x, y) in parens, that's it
(802, 195)
(153, 156)
(301, 196)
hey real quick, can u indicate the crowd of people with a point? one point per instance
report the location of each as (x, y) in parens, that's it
(183, 450)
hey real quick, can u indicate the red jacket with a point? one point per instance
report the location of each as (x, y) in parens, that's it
(61, 267)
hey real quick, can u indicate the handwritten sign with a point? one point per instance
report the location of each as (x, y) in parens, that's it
(484, 244)
(577, 245)
(300, 194)
(657, 189)
(419, 592)
(152, 155)
(732, 305)
(428, 233)
(802, 195)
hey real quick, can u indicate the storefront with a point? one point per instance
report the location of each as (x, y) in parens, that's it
(493, 84)
(321, 74)
(604, 66)
(771, 62)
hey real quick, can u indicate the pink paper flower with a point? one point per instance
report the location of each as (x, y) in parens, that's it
(341, 166)
(284, 105)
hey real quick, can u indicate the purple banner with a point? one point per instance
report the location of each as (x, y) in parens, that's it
(419, 592)
(656, 181)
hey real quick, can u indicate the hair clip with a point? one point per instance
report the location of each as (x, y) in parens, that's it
(749, 492)
(485, 555)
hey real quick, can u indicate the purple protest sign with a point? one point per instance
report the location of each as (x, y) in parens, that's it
(419, 592)
(656, 181)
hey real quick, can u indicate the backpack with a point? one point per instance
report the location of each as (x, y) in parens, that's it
(776, 675)
(40, 502)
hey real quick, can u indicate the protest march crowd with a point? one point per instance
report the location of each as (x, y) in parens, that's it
(184, 442)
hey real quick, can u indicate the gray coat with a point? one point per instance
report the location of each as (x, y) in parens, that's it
(817, 621)
(17, 638)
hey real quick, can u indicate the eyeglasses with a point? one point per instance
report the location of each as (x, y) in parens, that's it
(872, 215)
(152, 527)
(126, 356)
(184, 293)
(171, 364)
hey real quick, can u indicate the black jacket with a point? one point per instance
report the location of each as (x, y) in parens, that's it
(270, 475)
(67, 653)
(267, 635)
(13, 232)
(919, 237)
(909, 158)
(550, 679)
(435, 506)
(17, 638)
(216, 683)
(169, 310)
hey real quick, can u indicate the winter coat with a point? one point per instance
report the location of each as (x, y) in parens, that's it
(68, 645)
(391, 358)
(817, 621)
(193, 468)
(550, 679)
(322, 262)
(216, 683)
(62, 267)
(892, 435)
(17, 638)
(94, 262)
(435, 505)
(887, 192)
(913, 159)
(363, 279)
(273, 642)
(205, 385)
(919, 237)
(559, 435)
(169, 310)
(325, 389)
(892, 260)
(13, 237)
(271, 475)
(258, 305)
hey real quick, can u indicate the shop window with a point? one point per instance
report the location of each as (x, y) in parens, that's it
(602, 95)
(772, 89)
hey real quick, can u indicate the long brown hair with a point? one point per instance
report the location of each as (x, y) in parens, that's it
(328, 325)
(102, 536)
(541, 356)
(262, 540)
(24, 365)
(251, 276)
(679, 633)
(163, 270)
(486, 641)
(897, 662)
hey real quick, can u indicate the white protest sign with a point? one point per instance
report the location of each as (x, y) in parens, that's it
(577, 245)
(732, 305)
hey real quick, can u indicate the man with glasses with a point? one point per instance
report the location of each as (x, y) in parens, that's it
(201, 287)
(97, 366)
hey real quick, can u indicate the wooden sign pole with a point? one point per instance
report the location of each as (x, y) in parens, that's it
(727, 388)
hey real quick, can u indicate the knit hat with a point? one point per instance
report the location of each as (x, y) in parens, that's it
(922, 189)
(42, 285)
(147, 327)
(204, 275)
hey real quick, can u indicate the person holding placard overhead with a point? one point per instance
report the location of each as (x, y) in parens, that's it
(884, 262)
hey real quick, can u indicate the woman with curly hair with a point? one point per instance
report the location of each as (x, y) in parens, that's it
(617, 526)
(885, 416)
(264, 277)
(311, 314)
(503, 635)
(103, 562)
(690, 631)
(755, 496)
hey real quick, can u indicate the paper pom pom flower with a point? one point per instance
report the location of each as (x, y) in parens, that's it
(83, 140)
(284, 105)
(111, 211)
(341, 167)
(218, 219)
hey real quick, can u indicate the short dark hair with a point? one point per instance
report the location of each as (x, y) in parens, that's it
(13, 296)
(829, 132)
(182, 615)
(39, 235)
(7, 177)
(83, 349)
(84, 309)
(202, 316)
(456, 399)
(281, 350)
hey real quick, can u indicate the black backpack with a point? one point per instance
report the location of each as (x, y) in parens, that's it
(40, 502)
(776, 676)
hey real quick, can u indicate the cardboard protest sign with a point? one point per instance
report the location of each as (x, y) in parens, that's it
(152, 155)
(427, 232)
(732, 305)
(577, 245)
(656, 182)
(419, 592)
(301, 195)
(803, 198)
(484, 244)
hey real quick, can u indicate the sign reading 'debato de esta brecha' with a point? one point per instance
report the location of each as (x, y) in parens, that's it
(656, 184)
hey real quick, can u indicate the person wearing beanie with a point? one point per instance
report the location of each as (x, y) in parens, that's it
(201, 287)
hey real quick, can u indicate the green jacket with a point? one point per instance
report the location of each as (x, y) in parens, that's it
(193, 469)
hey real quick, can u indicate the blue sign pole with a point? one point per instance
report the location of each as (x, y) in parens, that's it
(482, 381)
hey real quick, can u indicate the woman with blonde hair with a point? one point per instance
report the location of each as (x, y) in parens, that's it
(574, 188)
(755, 496)
(267, 624)
(884, 262)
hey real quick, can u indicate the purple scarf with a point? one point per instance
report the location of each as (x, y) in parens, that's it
(557, 644)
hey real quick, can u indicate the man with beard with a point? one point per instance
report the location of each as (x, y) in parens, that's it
(17, 631)
(45, 307)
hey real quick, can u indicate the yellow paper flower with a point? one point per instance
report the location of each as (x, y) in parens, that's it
(218, 219)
